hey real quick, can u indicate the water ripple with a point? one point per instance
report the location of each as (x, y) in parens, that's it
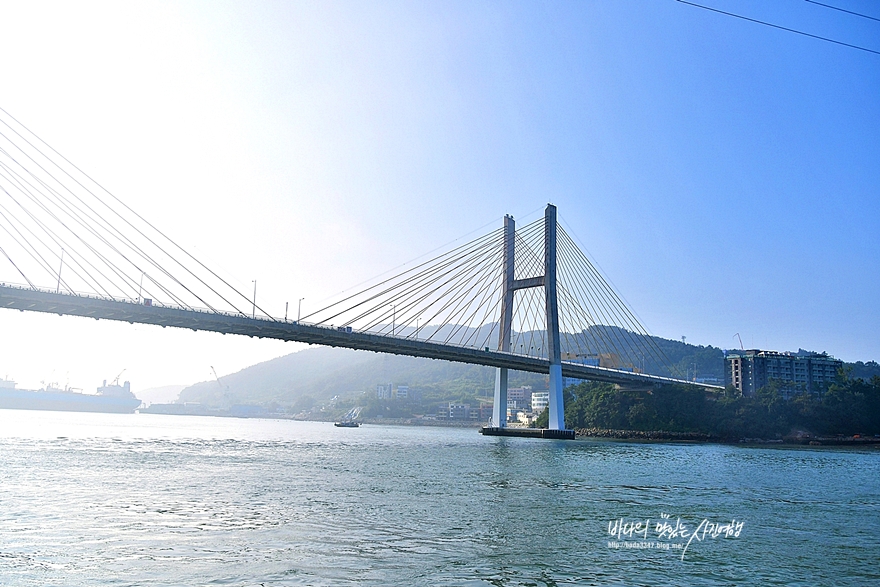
(286, 503)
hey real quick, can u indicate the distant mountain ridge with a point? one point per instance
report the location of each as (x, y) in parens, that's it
(315, 375)
(320, 373)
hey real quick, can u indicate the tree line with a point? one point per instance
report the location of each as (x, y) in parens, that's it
(845, 407)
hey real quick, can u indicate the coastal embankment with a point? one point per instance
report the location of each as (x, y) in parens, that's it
(666, 436)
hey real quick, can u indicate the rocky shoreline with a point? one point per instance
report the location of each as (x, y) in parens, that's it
(646, 435)
(665, 436)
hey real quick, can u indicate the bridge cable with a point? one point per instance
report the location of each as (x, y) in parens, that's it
(580, 253)
(125, 240)
(71, 210)
(631, 319)
(457, 253)
(610, 300)
(611, 332)
(16, 266)
(415, 284)
(21, 184)
(72, 250)
(138, 216)
(603, 312)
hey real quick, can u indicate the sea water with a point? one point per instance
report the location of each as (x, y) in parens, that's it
(102, 499)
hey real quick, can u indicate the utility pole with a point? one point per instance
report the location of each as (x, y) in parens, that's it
(254, 307)
(61, 266)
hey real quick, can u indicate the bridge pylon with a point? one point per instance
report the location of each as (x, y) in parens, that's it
(509, 285)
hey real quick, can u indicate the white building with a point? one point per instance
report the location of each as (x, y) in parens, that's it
(540, 401)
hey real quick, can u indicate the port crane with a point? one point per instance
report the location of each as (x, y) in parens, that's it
(226, 389)
(116, 381)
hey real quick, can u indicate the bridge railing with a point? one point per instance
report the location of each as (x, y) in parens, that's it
(103, 307)
(240, 315)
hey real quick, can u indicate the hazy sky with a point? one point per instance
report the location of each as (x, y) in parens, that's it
(724, 175)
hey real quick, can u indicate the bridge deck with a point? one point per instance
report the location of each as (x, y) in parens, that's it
(129, 311)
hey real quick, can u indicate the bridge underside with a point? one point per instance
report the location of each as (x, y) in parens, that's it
(14, 298)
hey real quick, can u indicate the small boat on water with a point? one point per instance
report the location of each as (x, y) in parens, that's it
(349, 420)
(347, 424)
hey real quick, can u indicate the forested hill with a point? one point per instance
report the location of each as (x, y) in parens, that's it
(317, 374)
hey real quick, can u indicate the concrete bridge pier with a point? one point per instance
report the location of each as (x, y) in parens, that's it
(554, 352)
(499, 408)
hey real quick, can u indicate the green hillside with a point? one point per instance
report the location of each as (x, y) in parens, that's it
(315, 376)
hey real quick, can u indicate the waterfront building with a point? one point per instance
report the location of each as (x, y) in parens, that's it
(402, 391)
(518, 398)
(383, 391)
(540, 401)
(514, 413)
(750, 370)
(459, 411)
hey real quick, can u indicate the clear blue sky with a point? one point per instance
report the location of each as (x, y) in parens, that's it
(723, 174)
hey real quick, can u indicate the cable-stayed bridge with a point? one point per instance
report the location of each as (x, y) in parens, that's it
(524, 299)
